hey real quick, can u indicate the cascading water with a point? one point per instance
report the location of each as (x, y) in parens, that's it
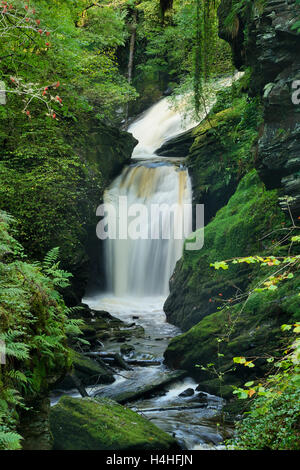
(142, 267)
(138, 272)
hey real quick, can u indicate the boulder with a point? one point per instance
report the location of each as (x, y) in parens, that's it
(102, 424)
(127, 349)
(187, 393)
(88, 371)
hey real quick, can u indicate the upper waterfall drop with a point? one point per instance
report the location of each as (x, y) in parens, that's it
(159, 123)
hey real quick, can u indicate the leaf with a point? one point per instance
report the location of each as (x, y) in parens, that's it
(249, 364)
(220, 265)
(249, 384)
(239, 360)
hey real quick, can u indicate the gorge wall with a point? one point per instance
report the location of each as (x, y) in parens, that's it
(251, 141)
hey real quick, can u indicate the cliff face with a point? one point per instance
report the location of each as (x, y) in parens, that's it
(267, 45)
(270, 46)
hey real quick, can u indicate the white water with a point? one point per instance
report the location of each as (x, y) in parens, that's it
(138, 273)
(158, 124)
(142, 267)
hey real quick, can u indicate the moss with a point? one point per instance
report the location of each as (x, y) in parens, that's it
(52, 180)
(88, 371)
(101, 424)
(256, 333)
(236, 230)
(222, 153)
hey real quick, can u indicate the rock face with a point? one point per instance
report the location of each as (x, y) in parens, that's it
(196, 289)
(102, 424)
(266, 43)
(256, 334)
(271, 49)
(178, 146)
(35, 426)
(104, 150)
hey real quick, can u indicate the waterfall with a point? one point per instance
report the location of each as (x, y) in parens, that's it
(159, 123)
(142, 267)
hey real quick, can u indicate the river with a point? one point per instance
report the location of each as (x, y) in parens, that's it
(137, 275)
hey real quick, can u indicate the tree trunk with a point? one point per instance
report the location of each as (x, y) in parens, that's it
(131, 56)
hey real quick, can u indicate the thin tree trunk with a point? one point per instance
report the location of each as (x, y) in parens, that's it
(131, 56)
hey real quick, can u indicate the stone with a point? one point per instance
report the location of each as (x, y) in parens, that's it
(88, 371)
(127, 349)
(102, 424)
(187, 393)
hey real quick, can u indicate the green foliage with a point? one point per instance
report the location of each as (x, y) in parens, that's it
(33, 329)
(273, 422)
(245, 9)
(170, 52)
(79, 54)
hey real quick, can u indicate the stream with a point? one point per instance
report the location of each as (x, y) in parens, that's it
(194, 428)
(137, 274)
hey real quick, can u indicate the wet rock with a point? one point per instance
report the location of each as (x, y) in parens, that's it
(200, 398)
(271, 49)
(133, 391)
(127, 349)
(178, 146)
(187, 393)
(88, 371)
(211, 438)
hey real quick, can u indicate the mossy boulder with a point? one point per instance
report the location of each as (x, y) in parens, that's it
(102, 424)
(88, 371)
(196, 289)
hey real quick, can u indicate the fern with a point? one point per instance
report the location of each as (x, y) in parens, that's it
(33, 325)
(10, 440)
(51, 258)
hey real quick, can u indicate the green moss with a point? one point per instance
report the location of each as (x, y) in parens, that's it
(256, 333)
(222, 150)
(101, 424)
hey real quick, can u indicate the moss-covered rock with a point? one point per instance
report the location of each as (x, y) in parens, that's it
(196, 288)
(219, 150)
(88, 371)
(102, 424)
(255, 333)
